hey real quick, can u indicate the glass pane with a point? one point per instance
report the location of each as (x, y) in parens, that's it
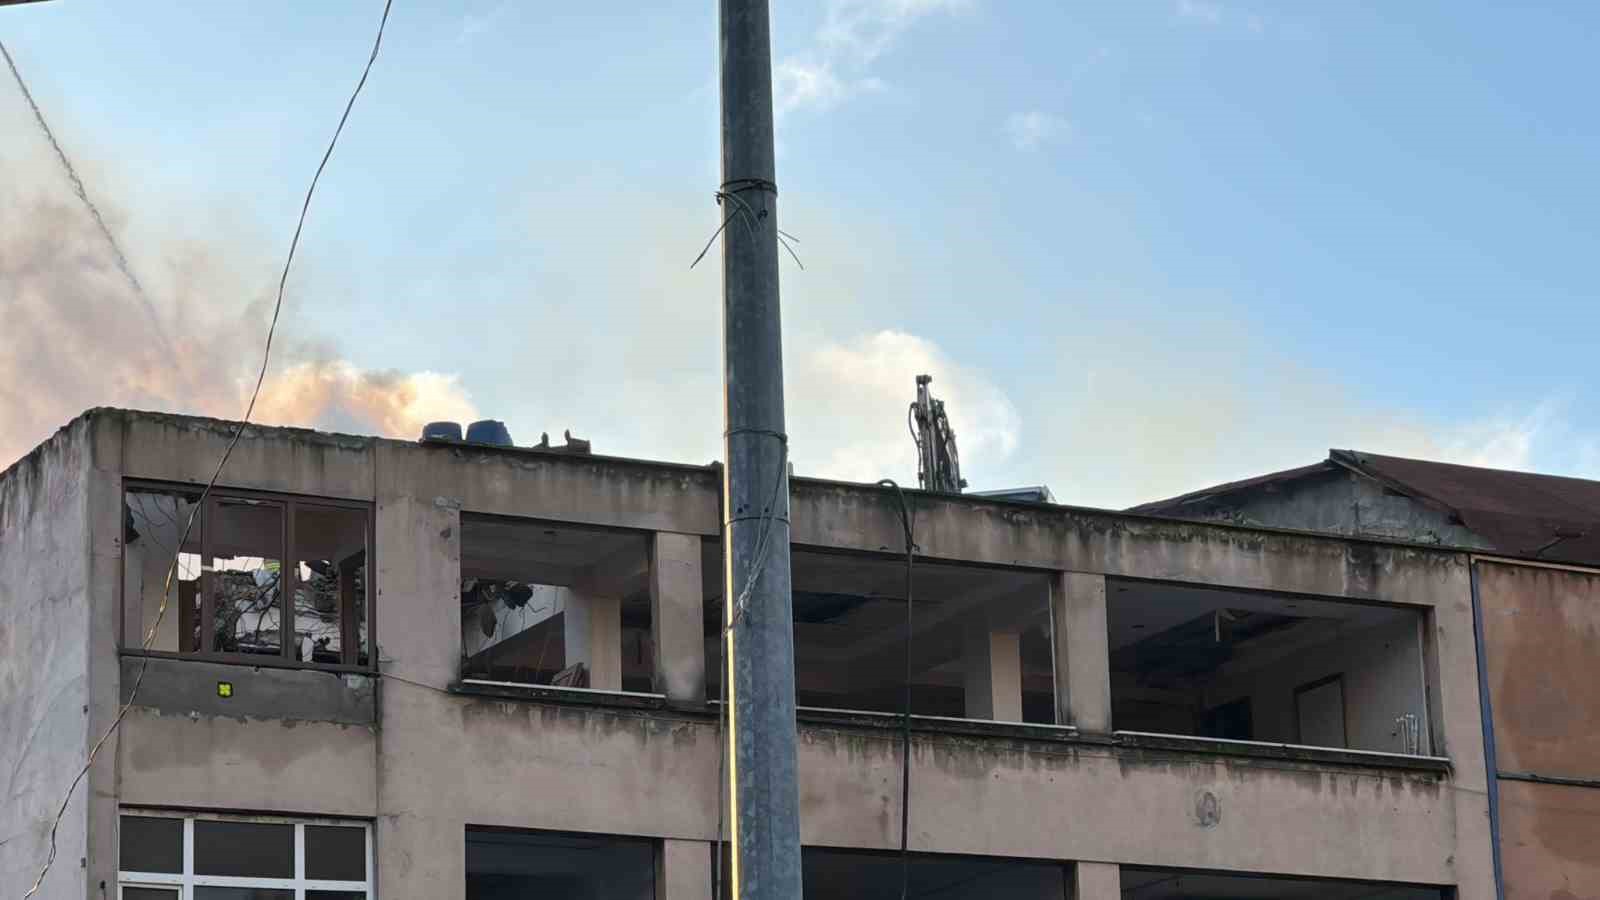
(149, 893)
(150, 844)
(336, 853)
(330, 593)
(243, 848)
(247, 547)
(336, 895)
(242, 893)
(152, 523)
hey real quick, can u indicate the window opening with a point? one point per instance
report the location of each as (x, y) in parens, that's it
(260, 577)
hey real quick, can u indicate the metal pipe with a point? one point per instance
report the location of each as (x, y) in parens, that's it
(1486, 710)
(756, 589)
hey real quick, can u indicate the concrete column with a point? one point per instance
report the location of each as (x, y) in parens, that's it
(1083, 667)
(683, 870)
(677, 614)
(993, 675)
(1096, 881)
(592, 626)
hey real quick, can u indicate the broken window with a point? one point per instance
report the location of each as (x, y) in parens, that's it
(555, 604)
(1258, 666)
(233, 594)
(153, 522)
(245, 599)
(166, 856)
(1185, 884)
(505, 864)
(330, 610)
(980, 645)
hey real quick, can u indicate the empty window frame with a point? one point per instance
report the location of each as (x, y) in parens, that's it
(236, 593)
(506, 864)
(980, 646)
(169, 856)
(549, 603)
(1259, 666)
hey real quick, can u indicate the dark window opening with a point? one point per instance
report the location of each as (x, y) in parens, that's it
(1185, 884)
(1258, 666)
(505, 864)
(837, 874)
(980, 647)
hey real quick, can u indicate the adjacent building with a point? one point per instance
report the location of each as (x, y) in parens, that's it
(447, 670)
(1536, 590)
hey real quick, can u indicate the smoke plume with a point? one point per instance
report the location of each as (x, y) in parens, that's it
(74, 333)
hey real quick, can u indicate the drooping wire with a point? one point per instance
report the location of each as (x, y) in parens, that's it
(749, 216)
(266, 357)
(907, 522)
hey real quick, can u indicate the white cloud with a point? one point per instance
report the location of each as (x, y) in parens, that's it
(854, 34)
(1203, 12)
(1033, 129)
(849, 401)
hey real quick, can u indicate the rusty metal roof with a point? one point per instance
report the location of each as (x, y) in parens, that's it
(1518, 513)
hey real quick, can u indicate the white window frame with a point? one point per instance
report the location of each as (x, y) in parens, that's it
(187, 880)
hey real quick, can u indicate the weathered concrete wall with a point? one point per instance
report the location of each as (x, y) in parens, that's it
(44, 663)
(1541, 633)
(1549, 835)
(1338, 502)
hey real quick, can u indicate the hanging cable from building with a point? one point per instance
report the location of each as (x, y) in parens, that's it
(907, 524)
(255, 393)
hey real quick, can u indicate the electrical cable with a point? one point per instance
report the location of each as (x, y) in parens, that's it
(266, 358)
(906, 522)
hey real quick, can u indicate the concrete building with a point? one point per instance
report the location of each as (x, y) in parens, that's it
(1536, 589)
(439, 670)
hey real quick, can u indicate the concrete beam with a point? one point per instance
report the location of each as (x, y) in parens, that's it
(1096, 881)
(992, 675)
(677, 613)
(593, 625)
(683, 870)
(1083, 667)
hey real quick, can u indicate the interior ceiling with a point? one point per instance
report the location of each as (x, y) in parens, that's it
(544, 553)
(1151, 884)
(1135, 610)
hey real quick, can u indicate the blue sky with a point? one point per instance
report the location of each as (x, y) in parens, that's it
(1141, 246)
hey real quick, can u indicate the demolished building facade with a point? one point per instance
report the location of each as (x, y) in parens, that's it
(434, 670)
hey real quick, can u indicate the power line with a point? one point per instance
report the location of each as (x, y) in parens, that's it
(266, 358)
(94, 211)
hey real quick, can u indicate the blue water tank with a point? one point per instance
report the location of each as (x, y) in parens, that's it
(489, 431)
(441, 431)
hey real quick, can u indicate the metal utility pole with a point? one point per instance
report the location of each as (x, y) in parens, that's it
(755, 493)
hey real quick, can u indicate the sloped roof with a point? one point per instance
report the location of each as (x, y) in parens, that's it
(1518, 513)
(1521, 513)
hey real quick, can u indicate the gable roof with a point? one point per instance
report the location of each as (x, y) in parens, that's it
(1522, 513)
(1517, 513)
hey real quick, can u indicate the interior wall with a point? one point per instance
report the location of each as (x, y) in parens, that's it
(1382, 676)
